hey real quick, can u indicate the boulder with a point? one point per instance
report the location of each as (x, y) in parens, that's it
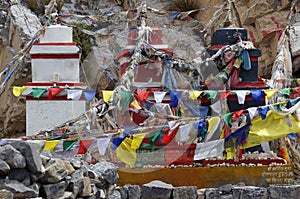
(67, 195)
(55, 171)
(5, 194)
(37, 145)
(12, 157)
(277, 191)
(226, 189)
(133, 191)
(4, 167)
(53, 191)
(201, 194)
(250, 192)
(21, 175)
(87, 189)
(33, 159)
(76, 183)
(105, 171)
(156, 189)
(115, 195)
(18, 189)
(185, 192)
(123, 191)
(212, 193)
(69, 168)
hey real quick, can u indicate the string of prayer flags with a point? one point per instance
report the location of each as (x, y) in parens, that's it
(50, 145)
(195, 94)
(263, 112)
(38, 92)
(286, 92)
(241, 96)
(159, 96)
(126, 99)
(18, 90)
(240, 136)
(142, 95)
(74, 94)
(224, 94)
(174, 98)
(52, 92)
(89, 95)
(68, 144)
(107, 95)
(270, 93)
(103, 143)
(209, 149)
(256, 95)
(228, 119)
(84, 145)
(252, 112)
(136, 105)
(211, 95)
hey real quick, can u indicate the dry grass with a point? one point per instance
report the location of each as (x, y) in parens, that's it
(183, 5)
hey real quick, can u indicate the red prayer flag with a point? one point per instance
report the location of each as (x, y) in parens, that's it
(52, 92)
(84, 145)
(224, 94)
(142, 95)
(236, 115)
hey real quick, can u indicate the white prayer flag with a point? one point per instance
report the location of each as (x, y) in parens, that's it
(184, 131)
(159, 96)
(241, 96)
(209, 149)
(252, 112)
(102, 144)
(74, 94)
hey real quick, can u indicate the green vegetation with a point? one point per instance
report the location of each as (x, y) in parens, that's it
(82, 39)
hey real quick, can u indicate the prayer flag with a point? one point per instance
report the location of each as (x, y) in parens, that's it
(209, 149)
(256, 95)
(270, 92)
(195, 94)
(102, 144)
(74, 94)
(89, 95)
(159, 96)
(50, 145)
(142, 95)
(17, 91)
(241, 96)
(38, 92)
(52, 92)
(107, 95)
(84, 145)
(68, 144)
(211, 95)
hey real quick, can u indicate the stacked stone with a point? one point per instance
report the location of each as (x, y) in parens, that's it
(28, 172)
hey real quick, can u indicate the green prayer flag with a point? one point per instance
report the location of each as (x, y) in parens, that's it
(286, 92)
(126, 99)
(211, 95)
(278, 107)
(153, 136)
(38, 92)
(228, 119)
(68, 144)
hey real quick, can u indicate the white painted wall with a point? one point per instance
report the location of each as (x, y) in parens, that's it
(46, 114)
(57, 34)
(43, 70)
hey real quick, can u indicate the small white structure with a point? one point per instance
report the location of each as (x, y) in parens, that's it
(55, 63)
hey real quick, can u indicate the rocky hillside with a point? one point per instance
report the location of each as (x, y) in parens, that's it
(105, 32)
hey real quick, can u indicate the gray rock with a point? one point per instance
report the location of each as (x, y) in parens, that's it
(250, 192)
(37, 145)
(201, 194)
(5, 194)
(133, 191)
(227, 196)
(115, 195)
(123, 191)
(87, 189)
(212, 193)
(12, 157)
(278, 192)
(69, 168)
(226, 188)
(185, 192)
(21, 175)
(156, 189)
(4, 167)
(45, 159)
(33, 159)
(55, 171)
(53, 191)
(18, 189)
(76, 183)
(105, 171)
(75, 163)
(67, 195)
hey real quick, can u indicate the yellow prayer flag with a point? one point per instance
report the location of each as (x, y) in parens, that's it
(137, 140)
(136, 105)
(212, 123)
(272, 128)
(50, 145)
(125, 153)
(195, 94)
(107, 95)
(17, 90)
(270, 92)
